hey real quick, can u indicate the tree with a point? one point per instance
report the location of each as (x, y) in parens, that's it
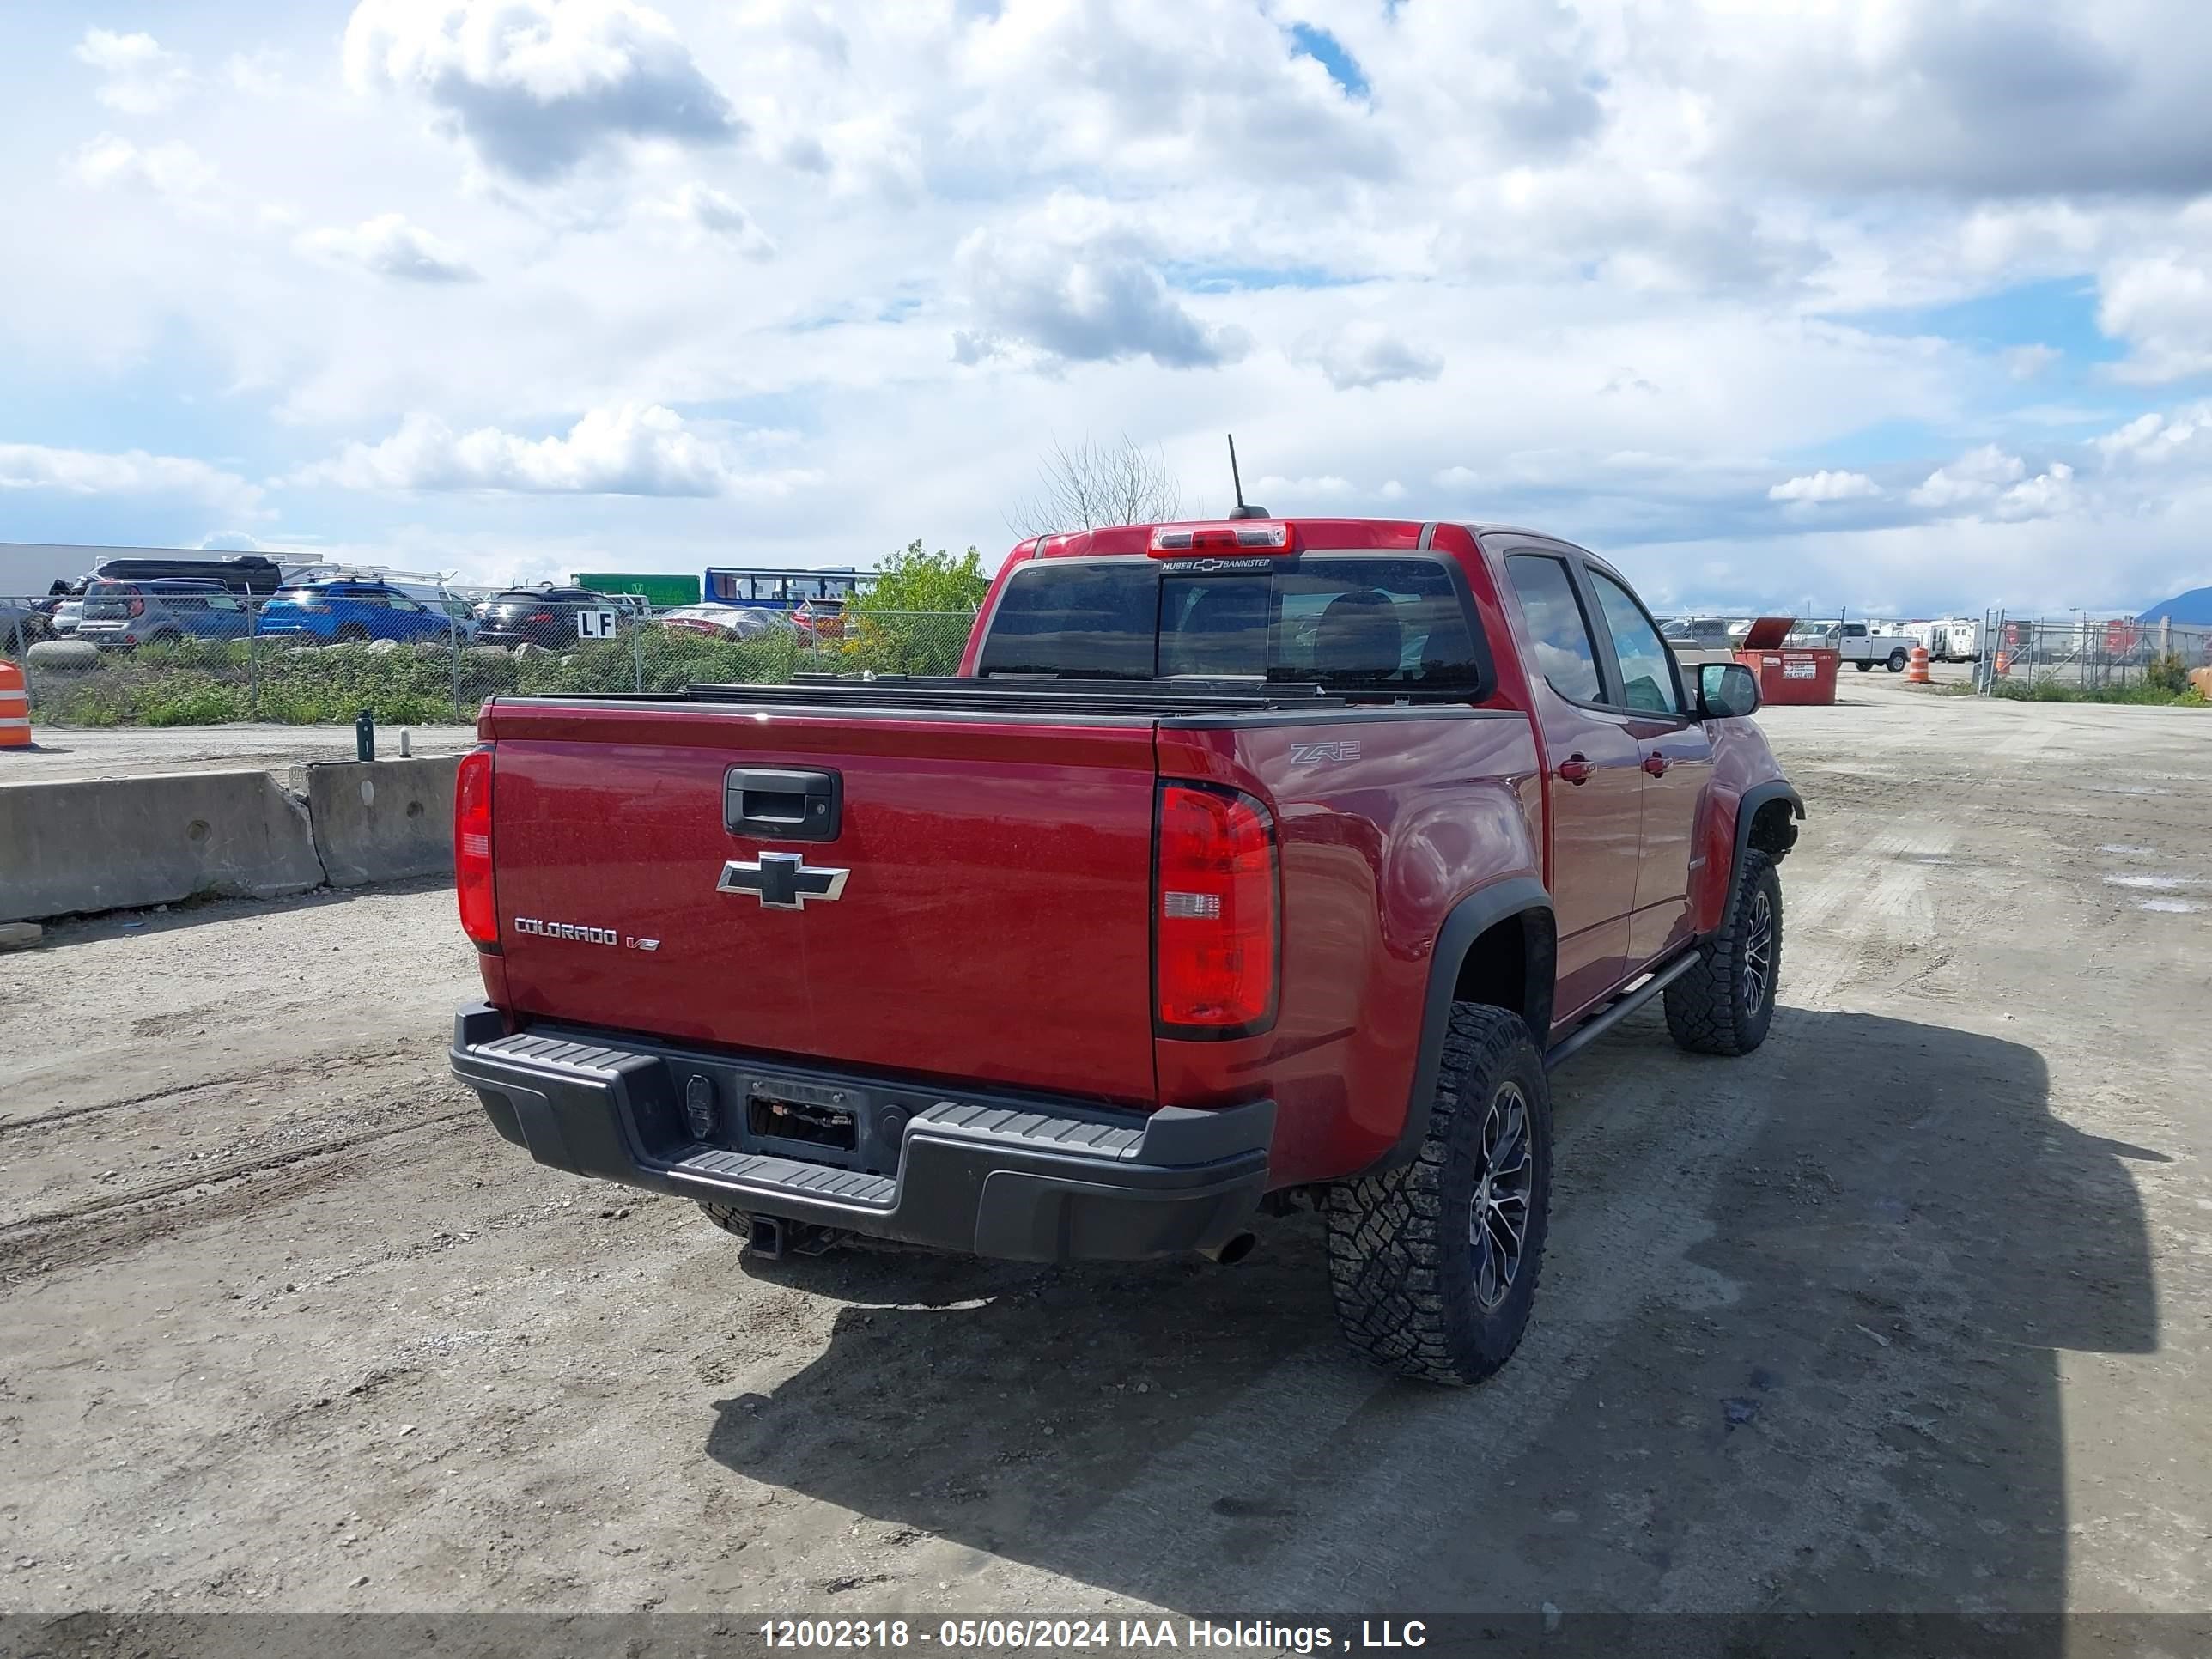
(1094, 484)
(912, 580)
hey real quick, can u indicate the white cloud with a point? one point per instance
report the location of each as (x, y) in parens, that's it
(538, 86)
(1825, 486)
(634, 449)
(1094, 298)
(258, 73)
(387, 246)
(1989, 482)
(2162, 307)
(2025, 362)
(134, 472)
(174, 171)
(141, 78)
(1367, 352)
(704, 215)
(2158, 439)
(1980, 474)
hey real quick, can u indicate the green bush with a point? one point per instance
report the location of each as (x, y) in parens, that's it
(2167, 672)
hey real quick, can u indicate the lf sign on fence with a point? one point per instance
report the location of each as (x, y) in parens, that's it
(595, 624)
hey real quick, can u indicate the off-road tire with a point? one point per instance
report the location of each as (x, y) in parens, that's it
(734, 1222)
(1896, 663)
(1401, 1257)
(1713, 1009)
(351, 634)
(1865, 666)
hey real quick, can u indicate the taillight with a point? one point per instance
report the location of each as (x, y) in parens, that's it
(472, 880)
(1214, 919)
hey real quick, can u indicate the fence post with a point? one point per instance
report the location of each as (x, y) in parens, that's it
(637, 652)
(453, 638)
(252, 659)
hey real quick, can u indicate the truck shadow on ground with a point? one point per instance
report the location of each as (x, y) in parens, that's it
(1825, 1380)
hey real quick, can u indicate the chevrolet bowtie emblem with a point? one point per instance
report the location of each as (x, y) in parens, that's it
(783, 881)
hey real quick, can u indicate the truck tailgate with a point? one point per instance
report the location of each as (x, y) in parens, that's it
(994, 924)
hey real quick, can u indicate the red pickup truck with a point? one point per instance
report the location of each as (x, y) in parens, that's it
(1244, 866)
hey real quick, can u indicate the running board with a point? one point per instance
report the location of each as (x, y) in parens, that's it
(1628, 1002)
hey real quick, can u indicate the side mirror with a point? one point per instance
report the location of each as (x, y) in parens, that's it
(1726, 690)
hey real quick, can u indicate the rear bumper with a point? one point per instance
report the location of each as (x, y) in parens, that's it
(1013, 1178)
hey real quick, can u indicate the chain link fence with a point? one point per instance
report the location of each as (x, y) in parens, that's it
(157, 658)
(2089, 655)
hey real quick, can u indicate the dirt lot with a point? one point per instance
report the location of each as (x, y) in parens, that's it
(1908, 1310)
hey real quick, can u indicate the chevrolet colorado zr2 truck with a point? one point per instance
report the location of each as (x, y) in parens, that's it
(1241, 866)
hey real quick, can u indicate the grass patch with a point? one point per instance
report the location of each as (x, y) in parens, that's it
(2152, 696)
(213, 682)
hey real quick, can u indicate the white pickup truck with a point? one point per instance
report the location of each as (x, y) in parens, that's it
(1863, 643)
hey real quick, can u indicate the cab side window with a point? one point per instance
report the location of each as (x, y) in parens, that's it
(1566, 654)
(1647, 671)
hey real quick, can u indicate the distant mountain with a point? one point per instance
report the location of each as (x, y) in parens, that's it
(2193, 608)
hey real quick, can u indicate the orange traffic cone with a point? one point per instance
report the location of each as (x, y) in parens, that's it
(14, 708)
(1915, 670)
(2004, 664)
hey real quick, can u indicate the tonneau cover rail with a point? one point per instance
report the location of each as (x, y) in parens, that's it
(1076, 697)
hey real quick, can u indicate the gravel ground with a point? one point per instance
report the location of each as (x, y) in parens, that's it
(1907, 1310)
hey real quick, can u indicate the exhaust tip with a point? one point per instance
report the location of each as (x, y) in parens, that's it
(1233, 1250)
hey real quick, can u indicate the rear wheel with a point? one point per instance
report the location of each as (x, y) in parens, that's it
(1434, 1264)
(1724, 1005)
(351, 633)
(729, 1220)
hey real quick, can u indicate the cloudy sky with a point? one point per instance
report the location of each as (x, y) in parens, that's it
(1905, 307)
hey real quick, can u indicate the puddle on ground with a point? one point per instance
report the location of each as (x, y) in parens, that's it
(2154, 884)
(2172, 907)
(2130, 852)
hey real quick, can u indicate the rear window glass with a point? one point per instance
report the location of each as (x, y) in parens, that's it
(1343, 620)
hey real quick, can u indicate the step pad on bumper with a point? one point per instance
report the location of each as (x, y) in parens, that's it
(1038, 1128)
(760, 1169)
(1017, 1179)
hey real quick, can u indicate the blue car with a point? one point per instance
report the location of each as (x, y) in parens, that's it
(339, 613)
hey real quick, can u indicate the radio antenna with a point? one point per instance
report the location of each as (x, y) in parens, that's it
(1242, 511)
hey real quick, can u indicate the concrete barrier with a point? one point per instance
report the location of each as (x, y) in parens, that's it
(383, 820)
(123, 843)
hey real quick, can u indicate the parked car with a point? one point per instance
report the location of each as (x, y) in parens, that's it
(734, 621)
(1700, 633)
(340, 612)
(1243, 866)
(820, 619)
(246, 573)
(21, 626)
(68, 612)
(123, 615)
(541, 615)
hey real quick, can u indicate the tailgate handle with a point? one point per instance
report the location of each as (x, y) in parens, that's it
(778, 806)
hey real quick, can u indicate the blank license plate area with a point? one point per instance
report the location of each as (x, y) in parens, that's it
(777, 1113)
